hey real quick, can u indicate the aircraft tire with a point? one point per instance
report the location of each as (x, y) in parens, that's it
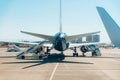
(75, 54)
(23, 57)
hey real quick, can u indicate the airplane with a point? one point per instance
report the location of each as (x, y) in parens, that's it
(110, 25)
(13, 48)
(61, 41)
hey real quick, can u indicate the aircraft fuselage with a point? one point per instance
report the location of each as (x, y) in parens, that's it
(60, 42)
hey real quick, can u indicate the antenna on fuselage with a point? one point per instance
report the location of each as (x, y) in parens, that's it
(60, 17)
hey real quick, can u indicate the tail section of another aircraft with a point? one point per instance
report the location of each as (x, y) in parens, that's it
(110, 25)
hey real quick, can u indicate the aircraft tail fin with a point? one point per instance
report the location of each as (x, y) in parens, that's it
(60, 17)
(110, 25)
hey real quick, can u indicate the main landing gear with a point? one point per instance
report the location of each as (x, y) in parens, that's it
(83, 54)
(75, 52)
(47, 52)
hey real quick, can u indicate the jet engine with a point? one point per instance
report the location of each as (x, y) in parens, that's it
(84, 49)
(93, 48)
(87, 48)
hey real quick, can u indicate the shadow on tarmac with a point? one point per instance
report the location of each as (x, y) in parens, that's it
(68, 56)
(7, 56)
(53, 58)
(93, 56)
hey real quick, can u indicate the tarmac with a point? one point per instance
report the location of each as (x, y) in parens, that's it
(105, 67)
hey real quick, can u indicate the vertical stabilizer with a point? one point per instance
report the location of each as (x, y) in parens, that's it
(60, 17)
(110, 25)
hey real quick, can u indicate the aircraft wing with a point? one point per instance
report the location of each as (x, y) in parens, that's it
(76, 37)
(18, 42)
(47, 37)
(29, 43)
(84, 44)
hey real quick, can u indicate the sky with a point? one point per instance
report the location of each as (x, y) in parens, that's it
(42, 16)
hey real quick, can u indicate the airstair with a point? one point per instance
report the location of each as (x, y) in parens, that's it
(31, 50)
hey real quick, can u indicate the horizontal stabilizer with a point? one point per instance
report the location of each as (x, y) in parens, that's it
(47, 37)
(75, 37)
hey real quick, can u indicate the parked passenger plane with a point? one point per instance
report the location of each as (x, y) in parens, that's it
(110, 25)
(61, 41)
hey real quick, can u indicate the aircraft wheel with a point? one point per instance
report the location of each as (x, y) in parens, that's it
(83, 54)
(96, 52)
(75, 54)
(23, 57)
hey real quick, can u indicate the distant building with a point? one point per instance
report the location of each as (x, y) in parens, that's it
(96, 38)
(89, 38)
(93, 38)
(73, 41)
(77, 41)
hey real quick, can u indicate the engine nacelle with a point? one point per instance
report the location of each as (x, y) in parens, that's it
(87, 48)
(84, 49)
(93, 48)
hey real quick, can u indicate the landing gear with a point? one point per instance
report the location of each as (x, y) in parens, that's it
(96, 52)
(47, 52)
(23, 57)
(75, 52)
(83, 54)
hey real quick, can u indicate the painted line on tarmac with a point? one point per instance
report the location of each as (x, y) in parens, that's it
(51, 77)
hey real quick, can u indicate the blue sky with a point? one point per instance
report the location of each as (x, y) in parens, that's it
(42, 16)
